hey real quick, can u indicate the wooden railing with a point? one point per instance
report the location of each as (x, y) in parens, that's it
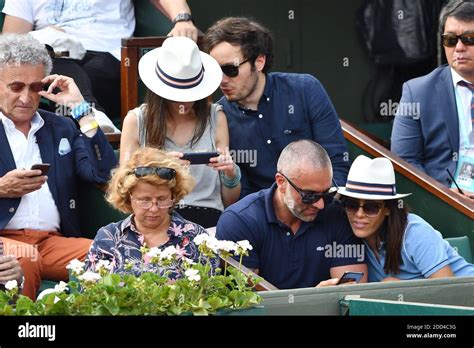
(263, 285)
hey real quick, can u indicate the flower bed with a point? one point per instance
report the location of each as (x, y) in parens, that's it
(200, 290)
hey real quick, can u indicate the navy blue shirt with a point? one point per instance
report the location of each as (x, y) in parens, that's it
(292, 107)
(285, 259)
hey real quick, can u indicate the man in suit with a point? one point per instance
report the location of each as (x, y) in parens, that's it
(38, 211)
(267, 111)
(433, 126)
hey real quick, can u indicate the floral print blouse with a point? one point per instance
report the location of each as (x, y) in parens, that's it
(121, 243)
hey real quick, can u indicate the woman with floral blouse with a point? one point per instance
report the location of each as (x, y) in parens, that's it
(147, 186)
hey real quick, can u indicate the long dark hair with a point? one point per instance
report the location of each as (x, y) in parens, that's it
(155, 119)
(392, 232)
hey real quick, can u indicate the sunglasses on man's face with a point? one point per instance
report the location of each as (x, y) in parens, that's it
(370, 208)
(232, 70)
(451, 40)
(311, 197)
(18, 87)
(163, 172)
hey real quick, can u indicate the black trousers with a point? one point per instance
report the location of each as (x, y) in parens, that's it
(97, 75)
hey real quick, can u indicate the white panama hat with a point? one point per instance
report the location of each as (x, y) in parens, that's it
(372, 179)
(179, 71)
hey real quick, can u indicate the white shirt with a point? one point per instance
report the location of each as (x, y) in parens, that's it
(37, 209)
(98, 24)
(466, 98)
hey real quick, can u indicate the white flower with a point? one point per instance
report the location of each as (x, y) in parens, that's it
(11, 284)
(188, 261)
(244, 245)
(201, 238)
(89, 277)
(226, 245)
(213, 244)
(154, 252)
(103, 264)
(61, 287)
(76, 266)
(193, 274)
(168, 253)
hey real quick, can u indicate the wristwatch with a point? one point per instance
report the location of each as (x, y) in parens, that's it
(183, 17)
(81, 110)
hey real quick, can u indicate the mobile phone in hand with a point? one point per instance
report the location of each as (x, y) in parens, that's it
(44, 167)
(199, 157)
(351, 277)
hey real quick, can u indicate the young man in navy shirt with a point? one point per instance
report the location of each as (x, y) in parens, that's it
(266, 111)
(300, 236)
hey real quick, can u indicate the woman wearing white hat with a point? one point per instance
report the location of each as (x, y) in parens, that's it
(178, 117)
(399, 245)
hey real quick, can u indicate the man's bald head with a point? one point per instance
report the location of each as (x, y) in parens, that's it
(303, 153)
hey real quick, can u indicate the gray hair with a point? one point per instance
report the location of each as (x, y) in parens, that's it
(24, 49)
(462, 10)
(302, 153)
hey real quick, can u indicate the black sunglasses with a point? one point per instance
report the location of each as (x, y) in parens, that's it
(310, 197)
(451, 40)
(163, 172)
(232, 70)
(18, 87)
(370, 208)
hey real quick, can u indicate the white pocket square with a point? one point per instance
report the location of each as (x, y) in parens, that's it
(64, 147)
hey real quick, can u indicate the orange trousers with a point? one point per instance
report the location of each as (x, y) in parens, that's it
(43, 255)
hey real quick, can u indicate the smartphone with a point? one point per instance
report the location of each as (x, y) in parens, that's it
(44, 167)
(199, 157)
(351, 277)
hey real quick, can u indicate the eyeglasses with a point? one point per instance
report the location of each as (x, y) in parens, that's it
(148, 203)
(451, 40)
(370, 208)
(310, 197)
(232, 70)
(163, 172)
(18, 87)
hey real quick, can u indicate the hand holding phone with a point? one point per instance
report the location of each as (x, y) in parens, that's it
(199, 157)
(44, 167)
(348, 277)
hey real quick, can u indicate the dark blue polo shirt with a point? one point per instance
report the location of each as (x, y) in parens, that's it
(285, 259)
(292, 107)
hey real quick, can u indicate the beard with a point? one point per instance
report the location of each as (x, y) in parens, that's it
(295, 210)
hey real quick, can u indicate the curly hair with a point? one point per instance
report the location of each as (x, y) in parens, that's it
(24, 49)
(123, 182)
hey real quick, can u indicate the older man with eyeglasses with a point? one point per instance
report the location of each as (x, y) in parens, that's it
(299, 234)
(39, 209)
(434, 125)
(268, 110)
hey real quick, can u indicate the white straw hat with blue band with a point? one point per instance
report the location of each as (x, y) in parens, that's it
(371, 179)
(179, 71)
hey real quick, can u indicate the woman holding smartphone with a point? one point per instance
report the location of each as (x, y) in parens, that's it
(398, 245)
(178, 117)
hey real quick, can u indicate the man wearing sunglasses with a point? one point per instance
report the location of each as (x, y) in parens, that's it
(267, 111)
(433, 128)
(38, 209)
(294, 225)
